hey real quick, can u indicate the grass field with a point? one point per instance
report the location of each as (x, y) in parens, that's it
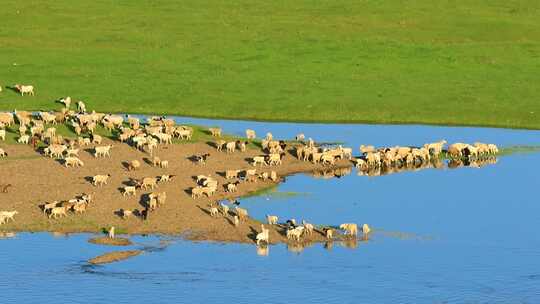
(472, 62)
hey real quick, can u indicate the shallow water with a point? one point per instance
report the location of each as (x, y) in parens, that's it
(462, 235)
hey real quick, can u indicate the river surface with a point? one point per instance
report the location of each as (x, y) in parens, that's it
(464, 235)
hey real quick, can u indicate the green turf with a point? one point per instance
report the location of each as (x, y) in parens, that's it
(439, 62)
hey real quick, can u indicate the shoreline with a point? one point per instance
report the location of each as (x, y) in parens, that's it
(330, 121)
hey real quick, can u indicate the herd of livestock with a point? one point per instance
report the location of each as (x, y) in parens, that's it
(146, 136)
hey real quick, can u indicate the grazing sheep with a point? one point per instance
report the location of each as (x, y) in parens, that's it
(96, 139)
(329, 232)
(111, 233)
(229, 174)
(258, 160)
(215, 132)
(3, 153)
(350, 229)
(295, 233)
(148, 182)
(25, 89)
(264, 176)
(231, 146)
(156, 161)
(236, 221)
(242, 145)
(47, 207)
(214, 211)
(165, 178)
(7, 215)
(273, 176)
(79, 207)
(366, 229)
(73, 162)
(126, 214)
(241, 213)
(308, 227)
(24, 139)
(366, 149)
(72, 152)
(161, 198)
(183, 132)
(232, 187)
(164, 164)
(57, 212)
(219, 144)
(102, 151)
(272, 219)
(134, 165)
(250, 134)
(100, 180)
(196, 192)
(262, 236)
(129, 190)
(66, 101)
(274, 159)
(224, 209)
(81, 107)
(5, 188)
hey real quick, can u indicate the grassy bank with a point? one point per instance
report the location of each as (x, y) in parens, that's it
(446, 62)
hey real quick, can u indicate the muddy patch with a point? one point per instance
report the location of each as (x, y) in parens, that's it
(114, 256)
(110, 242)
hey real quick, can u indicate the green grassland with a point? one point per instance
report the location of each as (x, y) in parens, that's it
(471, 62)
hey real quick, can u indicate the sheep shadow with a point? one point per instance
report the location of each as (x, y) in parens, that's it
(125, 164)
(204, 210)
(14, 89)
(221, 173)
(252, 233)
(212, 144)
(130, 182)
(89, 151)
(193, 158)
(89, 179)
(148, 161)
(144, 200)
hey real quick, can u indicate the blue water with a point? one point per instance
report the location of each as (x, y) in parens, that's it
(462, 235)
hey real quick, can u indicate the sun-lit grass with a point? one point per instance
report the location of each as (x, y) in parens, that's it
(440, 62)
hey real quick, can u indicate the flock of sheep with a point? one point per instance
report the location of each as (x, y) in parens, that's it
(160, 131)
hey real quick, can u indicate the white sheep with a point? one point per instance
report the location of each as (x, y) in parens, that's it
(236, 221)
(231, 146)
(350, 228)
(3, 134)
(56, 212)
(111, 233)
(263, 236)
(7, 215)
(3, 153)
(250, 134)
(129, 190)
(258, 160)
(24, 139)
(224, 209)
(214, 211)
(25, 89)
(241, 213)
(100, 179)
(73, 162)
(272, 219)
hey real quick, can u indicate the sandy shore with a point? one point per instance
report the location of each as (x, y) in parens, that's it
(37, 179)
